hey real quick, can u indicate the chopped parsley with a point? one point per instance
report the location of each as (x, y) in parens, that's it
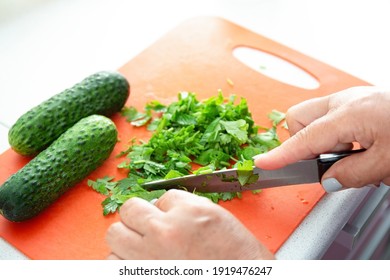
(189, 136)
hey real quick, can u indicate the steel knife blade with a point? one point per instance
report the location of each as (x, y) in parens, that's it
(226, 180)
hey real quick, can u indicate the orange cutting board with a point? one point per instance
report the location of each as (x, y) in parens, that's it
(196, 56)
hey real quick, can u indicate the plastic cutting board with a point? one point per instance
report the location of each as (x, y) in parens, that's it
(196, 56)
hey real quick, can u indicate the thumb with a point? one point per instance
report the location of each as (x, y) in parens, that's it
(356, 171)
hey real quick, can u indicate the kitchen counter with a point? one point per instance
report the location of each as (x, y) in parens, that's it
(47, 39)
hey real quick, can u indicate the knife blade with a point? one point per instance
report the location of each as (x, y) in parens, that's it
(226, 180)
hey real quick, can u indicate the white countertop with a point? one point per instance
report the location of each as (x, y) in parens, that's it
(41, 40)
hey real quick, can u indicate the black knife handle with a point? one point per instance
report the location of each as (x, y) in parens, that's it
(325, 161)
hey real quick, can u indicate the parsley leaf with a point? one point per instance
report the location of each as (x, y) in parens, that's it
(102, 185)
(238, 129)
(245, 172)
(276, 117)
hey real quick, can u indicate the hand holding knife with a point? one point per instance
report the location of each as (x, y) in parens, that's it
(226, 180)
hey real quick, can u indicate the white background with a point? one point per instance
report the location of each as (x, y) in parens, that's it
(47, 45)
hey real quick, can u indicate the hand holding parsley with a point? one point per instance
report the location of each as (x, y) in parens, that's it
(181, 225)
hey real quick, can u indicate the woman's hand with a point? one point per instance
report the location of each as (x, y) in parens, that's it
(181, 225)
(332, 123)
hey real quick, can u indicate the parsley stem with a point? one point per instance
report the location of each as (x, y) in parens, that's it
(224, 163)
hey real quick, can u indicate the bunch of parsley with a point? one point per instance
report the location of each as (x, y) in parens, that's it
(189, 136)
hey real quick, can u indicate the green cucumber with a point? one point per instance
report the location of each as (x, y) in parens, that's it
(69, 159)
(103, 93)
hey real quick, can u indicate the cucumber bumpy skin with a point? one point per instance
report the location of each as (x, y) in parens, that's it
(103, 93)
(70, 158)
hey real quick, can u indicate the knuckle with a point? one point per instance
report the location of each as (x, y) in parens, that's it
(113, 230)
(128, 205)
(293, 112)
(163, 231)
(292, 117)
(171, 194)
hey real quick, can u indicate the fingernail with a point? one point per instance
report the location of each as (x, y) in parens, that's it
(153, 201)
(257, 156)
(331, 185)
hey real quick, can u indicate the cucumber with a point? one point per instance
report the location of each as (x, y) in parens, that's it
(102, 93)
(69, 159)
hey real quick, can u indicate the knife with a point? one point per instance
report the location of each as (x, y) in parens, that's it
(226, 180)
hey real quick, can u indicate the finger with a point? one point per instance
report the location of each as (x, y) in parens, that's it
(321, 136)
(173, 198)
(304, 113)
(124, 242)
(135, 213)
(275, 159)
(302, 145)
(356, 171)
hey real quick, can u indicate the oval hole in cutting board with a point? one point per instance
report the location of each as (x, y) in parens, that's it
(275, 67)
